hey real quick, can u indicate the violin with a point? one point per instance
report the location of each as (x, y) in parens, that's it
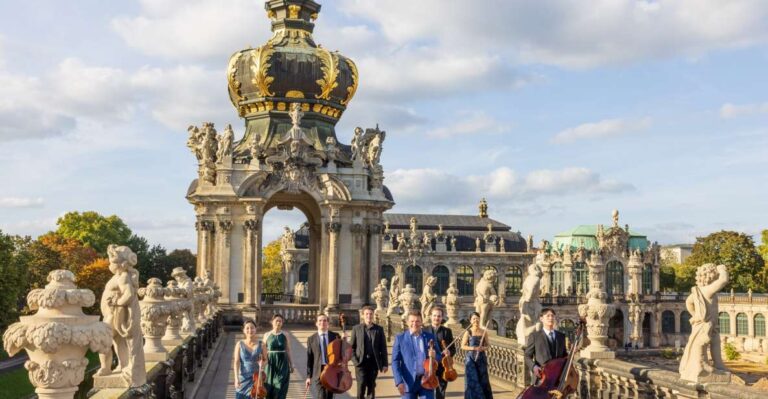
(258, 391)
(429, 379)
(449, 373)
(558, 378)
(336, 376)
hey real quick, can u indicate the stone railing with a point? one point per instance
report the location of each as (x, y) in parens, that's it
(506, 360)
(619, 379)
(549, 300)
(292, 313)
(743, 299)
(272, 298)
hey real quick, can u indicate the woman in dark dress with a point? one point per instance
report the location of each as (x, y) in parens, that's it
(247, 358)
(279, 367)
(477, 383)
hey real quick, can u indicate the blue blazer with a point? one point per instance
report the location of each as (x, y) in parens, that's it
(404, 360)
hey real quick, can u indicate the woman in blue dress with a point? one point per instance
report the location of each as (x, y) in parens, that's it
(477, 384)
(247, 358)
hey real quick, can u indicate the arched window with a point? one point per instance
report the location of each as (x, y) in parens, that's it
(724, 320)
(614, 278)
(668, 322)
(567, 327)
(465, 280)
(759, 325)
(685, 322)
(496, 286)
(741, 324)
(580, 277)
(442, 275)
(415, 277)
(304, 272)
(387, 271)
(647, 279)
(494, 326)
(510, 328)
(514, 281)
(557, 278)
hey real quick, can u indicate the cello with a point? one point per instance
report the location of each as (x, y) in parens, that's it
(336, 376)
(449, 373)
(429, 379)
(558, 378)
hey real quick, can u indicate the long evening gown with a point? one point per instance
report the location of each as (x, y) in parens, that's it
(278, 367)
(477, 384)
(249, 364)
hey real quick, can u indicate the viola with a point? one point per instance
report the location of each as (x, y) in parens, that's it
(336, 376)
(558, 377)
(429, 379)
(449, 373)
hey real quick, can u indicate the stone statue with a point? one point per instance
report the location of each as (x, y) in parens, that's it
(304, 290)
(380, 295)
(477, 244)
(705, 334)
(188, 321)
(287, 240)
(374, 146)
(485, 296)
(225, 144)
(453, 243)
(427, 297)
(394, 295)
(451, 301)
(256, 149)
(356, 142)
(408, 298)
(529, 304)
(121, 310)
(427, 241)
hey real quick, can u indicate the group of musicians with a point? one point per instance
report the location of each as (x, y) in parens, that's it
(369, 355)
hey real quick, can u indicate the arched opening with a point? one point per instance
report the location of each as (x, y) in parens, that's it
(741, 324)
(614, 278)
(647, 279)
(494, 326)
(465, 281)
(386, 272)
(514, 281)
(415, 277)
(304, 272)
(616, 329)
(647, 330)
(724, 323)
(685, 322)
(284, 251)
(759, 325)
(580, 277)
(442, 275)
(557, 279)
(668, 322)
(511, 326)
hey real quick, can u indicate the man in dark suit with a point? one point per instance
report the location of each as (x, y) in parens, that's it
(408, 355)
(545, 344)
(442, 334)
(369, 346)
(317, 356)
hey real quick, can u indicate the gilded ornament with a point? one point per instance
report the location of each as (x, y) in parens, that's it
(234, 84)
(281, 106)
(294, 94)
(330, 70)
(271, 14)
(293, 11)
(353, 88)
(260, 67)
(317, 107)
(313, 17)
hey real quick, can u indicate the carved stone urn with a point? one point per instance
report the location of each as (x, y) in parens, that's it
(202, 298)
(58, 335)
(176, 297)
(597, 312)
(154, 318)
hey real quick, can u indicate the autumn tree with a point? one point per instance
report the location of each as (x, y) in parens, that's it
(272, 268)
(733, 249)
(73, 255)
(94, 230)
(94, 277)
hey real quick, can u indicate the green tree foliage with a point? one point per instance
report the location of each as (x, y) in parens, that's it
(182, 258)
(667, 278)
(730, 352)
(735, 250)
(12, 279)
(762, 249)
(272, 268)
(94, 230)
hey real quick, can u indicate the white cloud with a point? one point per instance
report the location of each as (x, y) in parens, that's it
(194, 29)
(729, 110)
(438, 189)
(600, 130)
(469, 123)
(21, 202)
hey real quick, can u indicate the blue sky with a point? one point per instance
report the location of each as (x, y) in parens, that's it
(556, 111)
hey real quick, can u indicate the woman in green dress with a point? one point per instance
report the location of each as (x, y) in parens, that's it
(279, 367)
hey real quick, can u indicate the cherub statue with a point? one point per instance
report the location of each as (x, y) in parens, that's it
(485, 296)
(394, 295)
(121, 310)
(705, 334)
(529, 304)
(428, 297)
(188, 322)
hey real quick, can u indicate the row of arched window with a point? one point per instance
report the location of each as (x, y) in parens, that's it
(614, 278)
(724, 320)
(465, 278)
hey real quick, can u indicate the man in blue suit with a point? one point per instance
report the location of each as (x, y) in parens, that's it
(410, 350)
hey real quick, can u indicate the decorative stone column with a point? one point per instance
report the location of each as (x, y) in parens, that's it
(635, 269)
(502, 291)
(546, 276)
(251, 228)
(223, 245)
(359, 275)
(333, 229)
(154, 319)
(636, 319)
(567, 272)
(374, 253)
(597, 312)
(205, 231)
(178, 298)
(656, 279)
(57, 336)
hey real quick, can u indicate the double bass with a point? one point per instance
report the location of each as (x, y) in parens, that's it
(429, 379)
(449, 373)
(336, 376)
(558, 378)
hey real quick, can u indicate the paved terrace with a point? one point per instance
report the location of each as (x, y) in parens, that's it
(218, 379)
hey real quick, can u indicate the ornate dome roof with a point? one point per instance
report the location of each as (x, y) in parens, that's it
(291, 68)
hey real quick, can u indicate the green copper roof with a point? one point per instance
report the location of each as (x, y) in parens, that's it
(586, 236)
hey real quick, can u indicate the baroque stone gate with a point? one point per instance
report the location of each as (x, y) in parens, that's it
(291, 93)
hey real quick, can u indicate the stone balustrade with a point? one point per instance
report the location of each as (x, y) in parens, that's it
(292, 313)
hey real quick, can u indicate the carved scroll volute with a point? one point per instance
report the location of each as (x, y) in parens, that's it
(58, 335)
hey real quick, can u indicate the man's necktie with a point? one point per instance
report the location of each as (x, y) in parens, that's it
(552, 343)
(323, 346)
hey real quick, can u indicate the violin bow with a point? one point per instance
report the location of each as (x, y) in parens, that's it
(482, 338)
